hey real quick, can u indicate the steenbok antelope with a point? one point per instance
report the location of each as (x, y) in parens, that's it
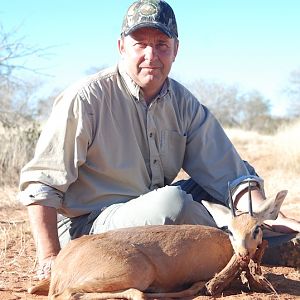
(155, 261)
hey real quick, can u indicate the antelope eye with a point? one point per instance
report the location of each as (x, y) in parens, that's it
(256, 231)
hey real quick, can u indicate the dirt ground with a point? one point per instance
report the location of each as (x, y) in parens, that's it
(17, 264)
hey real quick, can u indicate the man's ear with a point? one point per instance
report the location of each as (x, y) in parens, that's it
(176, 46)
(121, 45)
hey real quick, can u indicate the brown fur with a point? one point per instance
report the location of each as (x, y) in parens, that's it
(149, 258)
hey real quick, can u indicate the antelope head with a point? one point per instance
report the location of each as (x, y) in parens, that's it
(245, 228)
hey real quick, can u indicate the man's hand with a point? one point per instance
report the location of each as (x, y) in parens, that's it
(44, 269)
(43, 221)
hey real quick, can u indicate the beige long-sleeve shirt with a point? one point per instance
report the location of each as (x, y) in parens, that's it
(102, 145)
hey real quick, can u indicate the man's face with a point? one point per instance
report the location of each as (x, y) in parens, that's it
(148, 55)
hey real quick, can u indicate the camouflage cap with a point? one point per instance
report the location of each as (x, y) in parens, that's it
(150, 13)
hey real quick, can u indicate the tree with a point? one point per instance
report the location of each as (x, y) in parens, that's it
(18, 127)
(44, 106)
(232, 107)
(15, 92)
(13, 54)
(255, 111)
(222, 100)
(293, 91)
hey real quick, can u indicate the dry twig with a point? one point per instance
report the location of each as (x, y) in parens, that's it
(249, 271)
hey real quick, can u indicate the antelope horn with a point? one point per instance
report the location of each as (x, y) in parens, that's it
(231, 202)
(250, 199)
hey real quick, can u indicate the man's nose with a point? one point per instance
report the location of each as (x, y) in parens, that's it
(150, 52)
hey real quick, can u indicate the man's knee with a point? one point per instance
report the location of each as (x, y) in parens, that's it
(170, 203)
(175, 206)
(159, 207)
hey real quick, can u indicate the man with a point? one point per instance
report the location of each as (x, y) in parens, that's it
(115, 142)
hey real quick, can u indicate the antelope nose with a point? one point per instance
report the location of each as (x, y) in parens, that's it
(244, 254)
(244, 260)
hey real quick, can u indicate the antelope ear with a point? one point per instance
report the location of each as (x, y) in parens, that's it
(220, 213)
(269, 209)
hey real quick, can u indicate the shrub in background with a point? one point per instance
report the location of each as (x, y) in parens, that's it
(17, 148)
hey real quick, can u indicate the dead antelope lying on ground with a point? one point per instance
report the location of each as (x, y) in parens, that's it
(155, 261)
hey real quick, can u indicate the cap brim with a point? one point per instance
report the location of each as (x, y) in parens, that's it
(151, 25)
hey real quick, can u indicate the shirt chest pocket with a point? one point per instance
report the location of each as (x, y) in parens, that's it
(173, 147)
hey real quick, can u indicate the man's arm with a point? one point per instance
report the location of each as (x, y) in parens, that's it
(43, 221)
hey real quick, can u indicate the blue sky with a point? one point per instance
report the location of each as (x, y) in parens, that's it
(252, 43)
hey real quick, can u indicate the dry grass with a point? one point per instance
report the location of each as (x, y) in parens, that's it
(11, 232)
(17, 148)
(17, 259)
(287, 148)
(282, 149)
(14, 228)
(276, 158)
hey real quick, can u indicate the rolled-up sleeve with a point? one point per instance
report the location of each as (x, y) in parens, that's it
(60, 150)
(38, 193)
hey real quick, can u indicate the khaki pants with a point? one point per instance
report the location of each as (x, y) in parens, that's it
(168, 205)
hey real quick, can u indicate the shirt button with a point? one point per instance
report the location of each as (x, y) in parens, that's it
(154, 161)
(151, 135)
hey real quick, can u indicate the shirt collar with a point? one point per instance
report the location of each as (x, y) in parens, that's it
(135, 89)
